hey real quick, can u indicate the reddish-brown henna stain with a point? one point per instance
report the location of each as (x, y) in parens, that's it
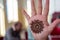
(37, 26)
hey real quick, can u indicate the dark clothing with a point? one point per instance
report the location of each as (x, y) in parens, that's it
(12, 35)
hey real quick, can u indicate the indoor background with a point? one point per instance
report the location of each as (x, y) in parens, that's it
(10, 11)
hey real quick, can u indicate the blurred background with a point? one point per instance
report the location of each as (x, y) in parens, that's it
(10, 11)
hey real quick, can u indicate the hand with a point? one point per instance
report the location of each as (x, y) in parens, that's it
(41, 16)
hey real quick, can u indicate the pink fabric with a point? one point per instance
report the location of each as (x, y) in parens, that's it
(55, 38)
(56, 31)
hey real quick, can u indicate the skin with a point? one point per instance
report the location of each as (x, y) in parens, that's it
(42, 16)
(17, 28)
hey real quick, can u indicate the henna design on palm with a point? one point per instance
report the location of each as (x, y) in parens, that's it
(37, 26)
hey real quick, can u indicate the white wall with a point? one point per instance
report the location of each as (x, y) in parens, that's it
(54, 7)
(57, 5)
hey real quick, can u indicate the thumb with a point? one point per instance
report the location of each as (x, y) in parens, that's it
(56, 22)
(53, 25)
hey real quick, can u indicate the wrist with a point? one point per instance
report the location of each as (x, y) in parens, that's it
(37, 39)
(42, 38)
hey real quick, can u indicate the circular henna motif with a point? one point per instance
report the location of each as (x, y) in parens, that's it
(37, 26)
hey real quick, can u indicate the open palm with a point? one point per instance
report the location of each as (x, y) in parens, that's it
(41, 16)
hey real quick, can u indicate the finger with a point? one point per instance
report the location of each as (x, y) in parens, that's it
(46, 9)
(50, 28)
(33, 8)
(54, 24)
(39, 11)
(25, 13)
